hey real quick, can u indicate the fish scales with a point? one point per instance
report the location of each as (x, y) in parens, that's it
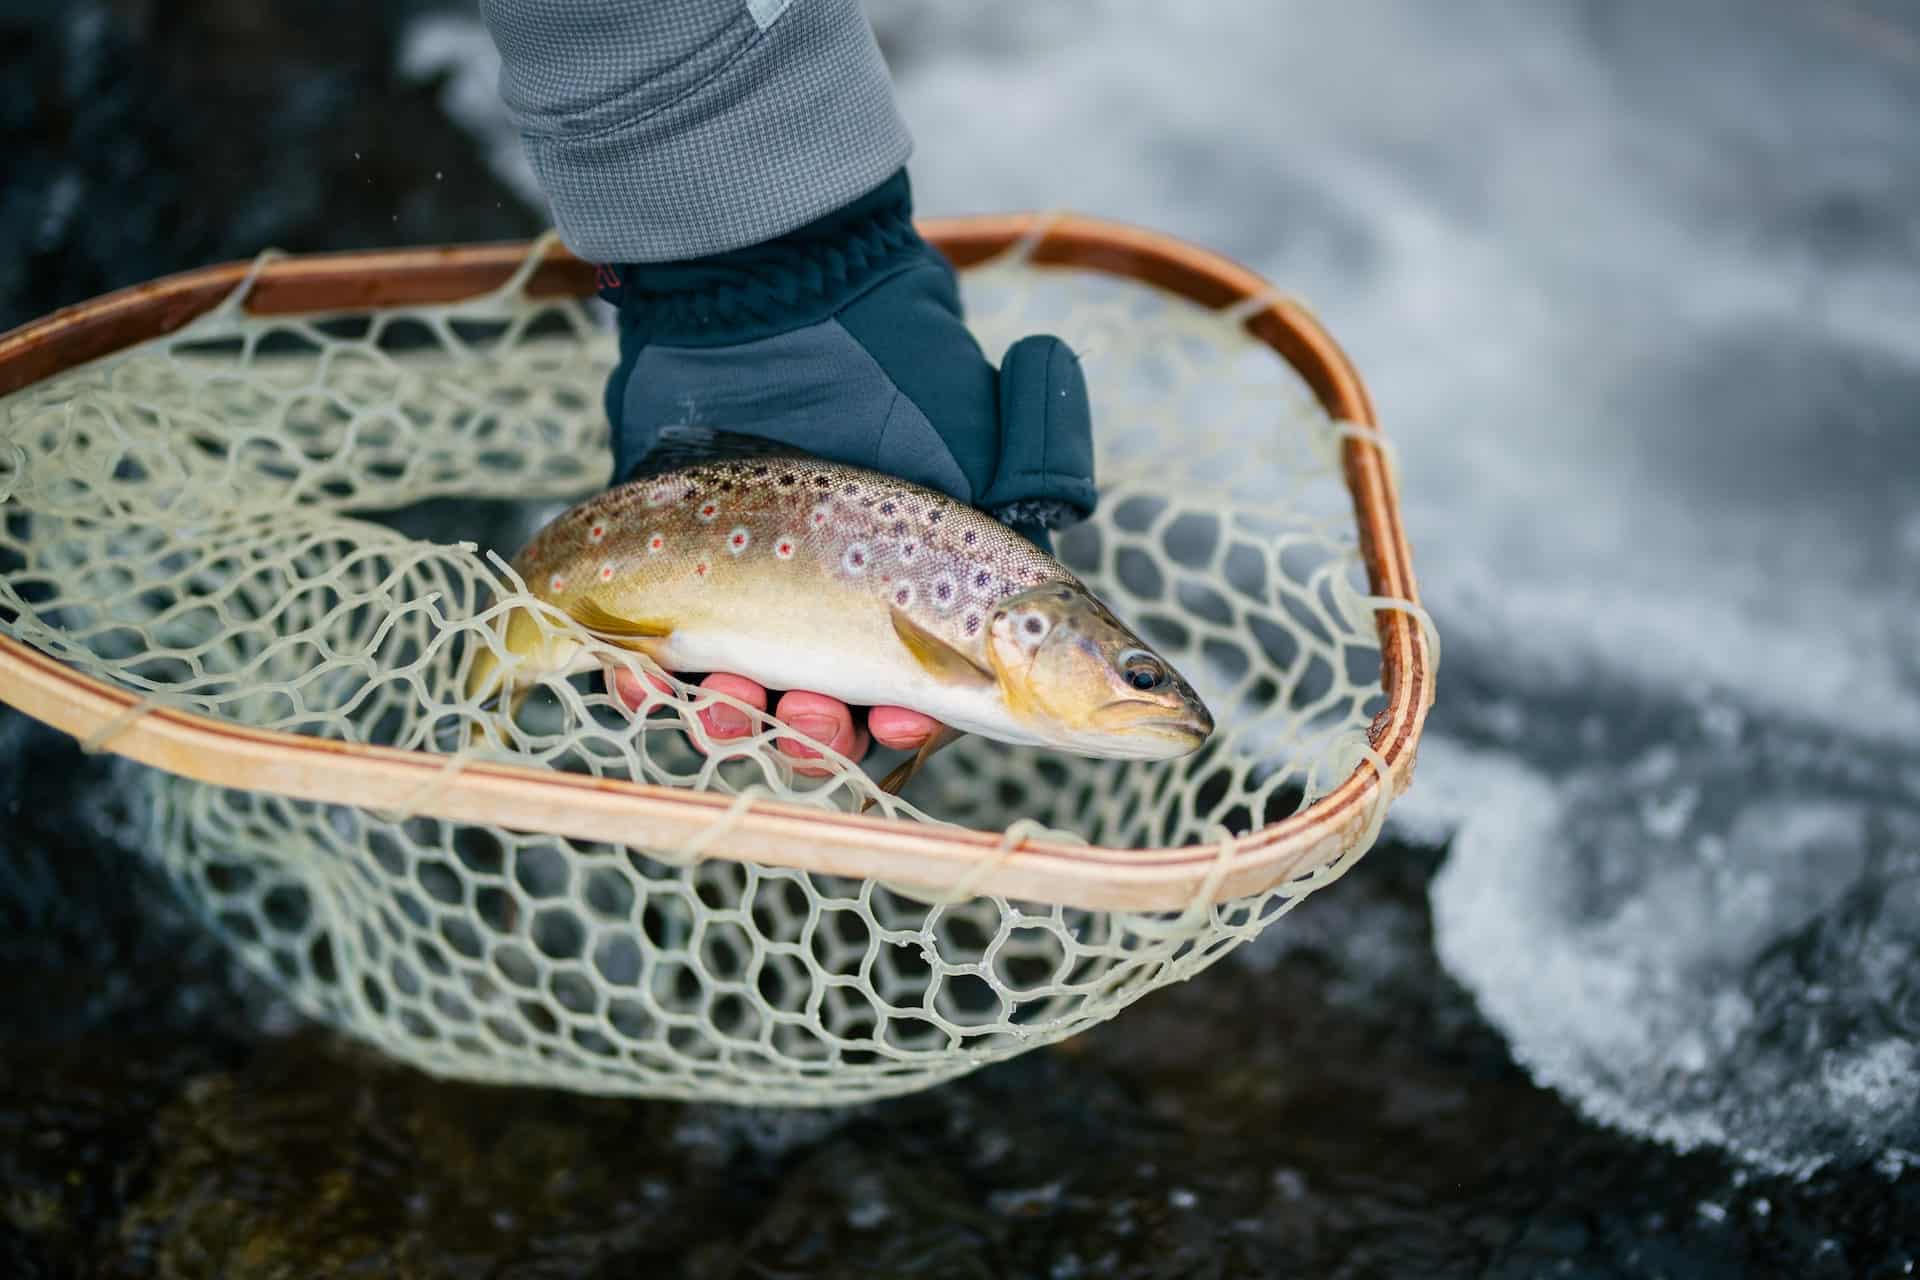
(804, 574)
(697, 547)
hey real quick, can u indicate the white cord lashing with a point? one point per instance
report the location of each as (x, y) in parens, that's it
(96, 742)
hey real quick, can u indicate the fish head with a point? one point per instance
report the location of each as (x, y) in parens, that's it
(1078, 678)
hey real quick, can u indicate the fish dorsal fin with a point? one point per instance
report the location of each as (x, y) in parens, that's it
(678, 447)
(596, 619)
(938, 658)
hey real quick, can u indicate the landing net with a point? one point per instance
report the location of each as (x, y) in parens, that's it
(285, 523)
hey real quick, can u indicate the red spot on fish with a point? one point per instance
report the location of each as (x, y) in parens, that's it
(606, 573)
(784, 548)
(708, 510)
(738, 539)
(556, 582)
(596, 533)
(700, 570)
(656, 543)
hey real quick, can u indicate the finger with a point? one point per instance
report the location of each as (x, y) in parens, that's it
(723, 721)
(630, 693)
(822, 719)
(901, 728)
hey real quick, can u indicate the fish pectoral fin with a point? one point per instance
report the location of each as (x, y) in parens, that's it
(622, 631)
(905, 771)
(938, 658)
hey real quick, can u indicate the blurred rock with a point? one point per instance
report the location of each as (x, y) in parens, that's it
(144, 138)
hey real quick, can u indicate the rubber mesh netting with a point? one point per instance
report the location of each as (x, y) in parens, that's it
(262, 519)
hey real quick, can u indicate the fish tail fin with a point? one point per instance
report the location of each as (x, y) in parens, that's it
(511, 680)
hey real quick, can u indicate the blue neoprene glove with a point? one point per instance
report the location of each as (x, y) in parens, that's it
(845, 339)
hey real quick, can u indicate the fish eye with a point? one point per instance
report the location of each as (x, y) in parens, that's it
(1143, 672)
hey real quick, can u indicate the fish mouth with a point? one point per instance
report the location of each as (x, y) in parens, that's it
(1189, 732)
(1185, 730)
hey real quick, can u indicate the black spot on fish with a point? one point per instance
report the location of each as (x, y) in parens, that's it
(887, 508)
(973, 536)
(789, 479)
(899, 526)
(973, 623)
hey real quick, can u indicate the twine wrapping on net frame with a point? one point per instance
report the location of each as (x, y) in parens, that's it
(234, 303)
(96, 742)
(1239, 313)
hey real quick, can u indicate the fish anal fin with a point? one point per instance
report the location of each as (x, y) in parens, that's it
(938, 658)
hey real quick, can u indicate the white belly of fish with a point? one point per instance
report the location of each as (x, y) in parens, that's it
(861, 680)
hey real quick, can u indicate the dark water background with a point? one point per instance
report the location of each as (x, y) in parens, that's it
(1331, 1103)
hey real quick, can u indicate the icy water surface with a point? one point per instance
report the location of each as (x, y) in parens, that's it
(1636, 286)
(1327, 1103)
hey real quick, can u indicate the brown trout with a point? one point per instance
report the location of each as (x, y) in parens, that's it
(805, 574)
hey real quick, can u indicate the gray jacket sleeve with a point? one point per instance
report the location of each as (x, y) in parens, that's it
(670, 129)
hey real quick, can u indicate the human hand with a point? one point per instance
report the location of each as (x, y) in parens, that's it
(823, 719)
(845, 339)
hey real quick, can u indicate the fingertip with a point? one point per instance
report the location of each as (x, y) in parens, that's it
(901, 728)
(630, 693)
(738, 688)
(822, 719)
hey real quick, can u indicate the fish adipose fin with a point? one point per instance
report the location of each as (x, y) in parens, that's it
(912, 765)
(938, 658)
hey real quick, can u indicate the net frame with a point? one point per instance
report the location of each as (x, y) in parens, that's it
(1034, 867)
